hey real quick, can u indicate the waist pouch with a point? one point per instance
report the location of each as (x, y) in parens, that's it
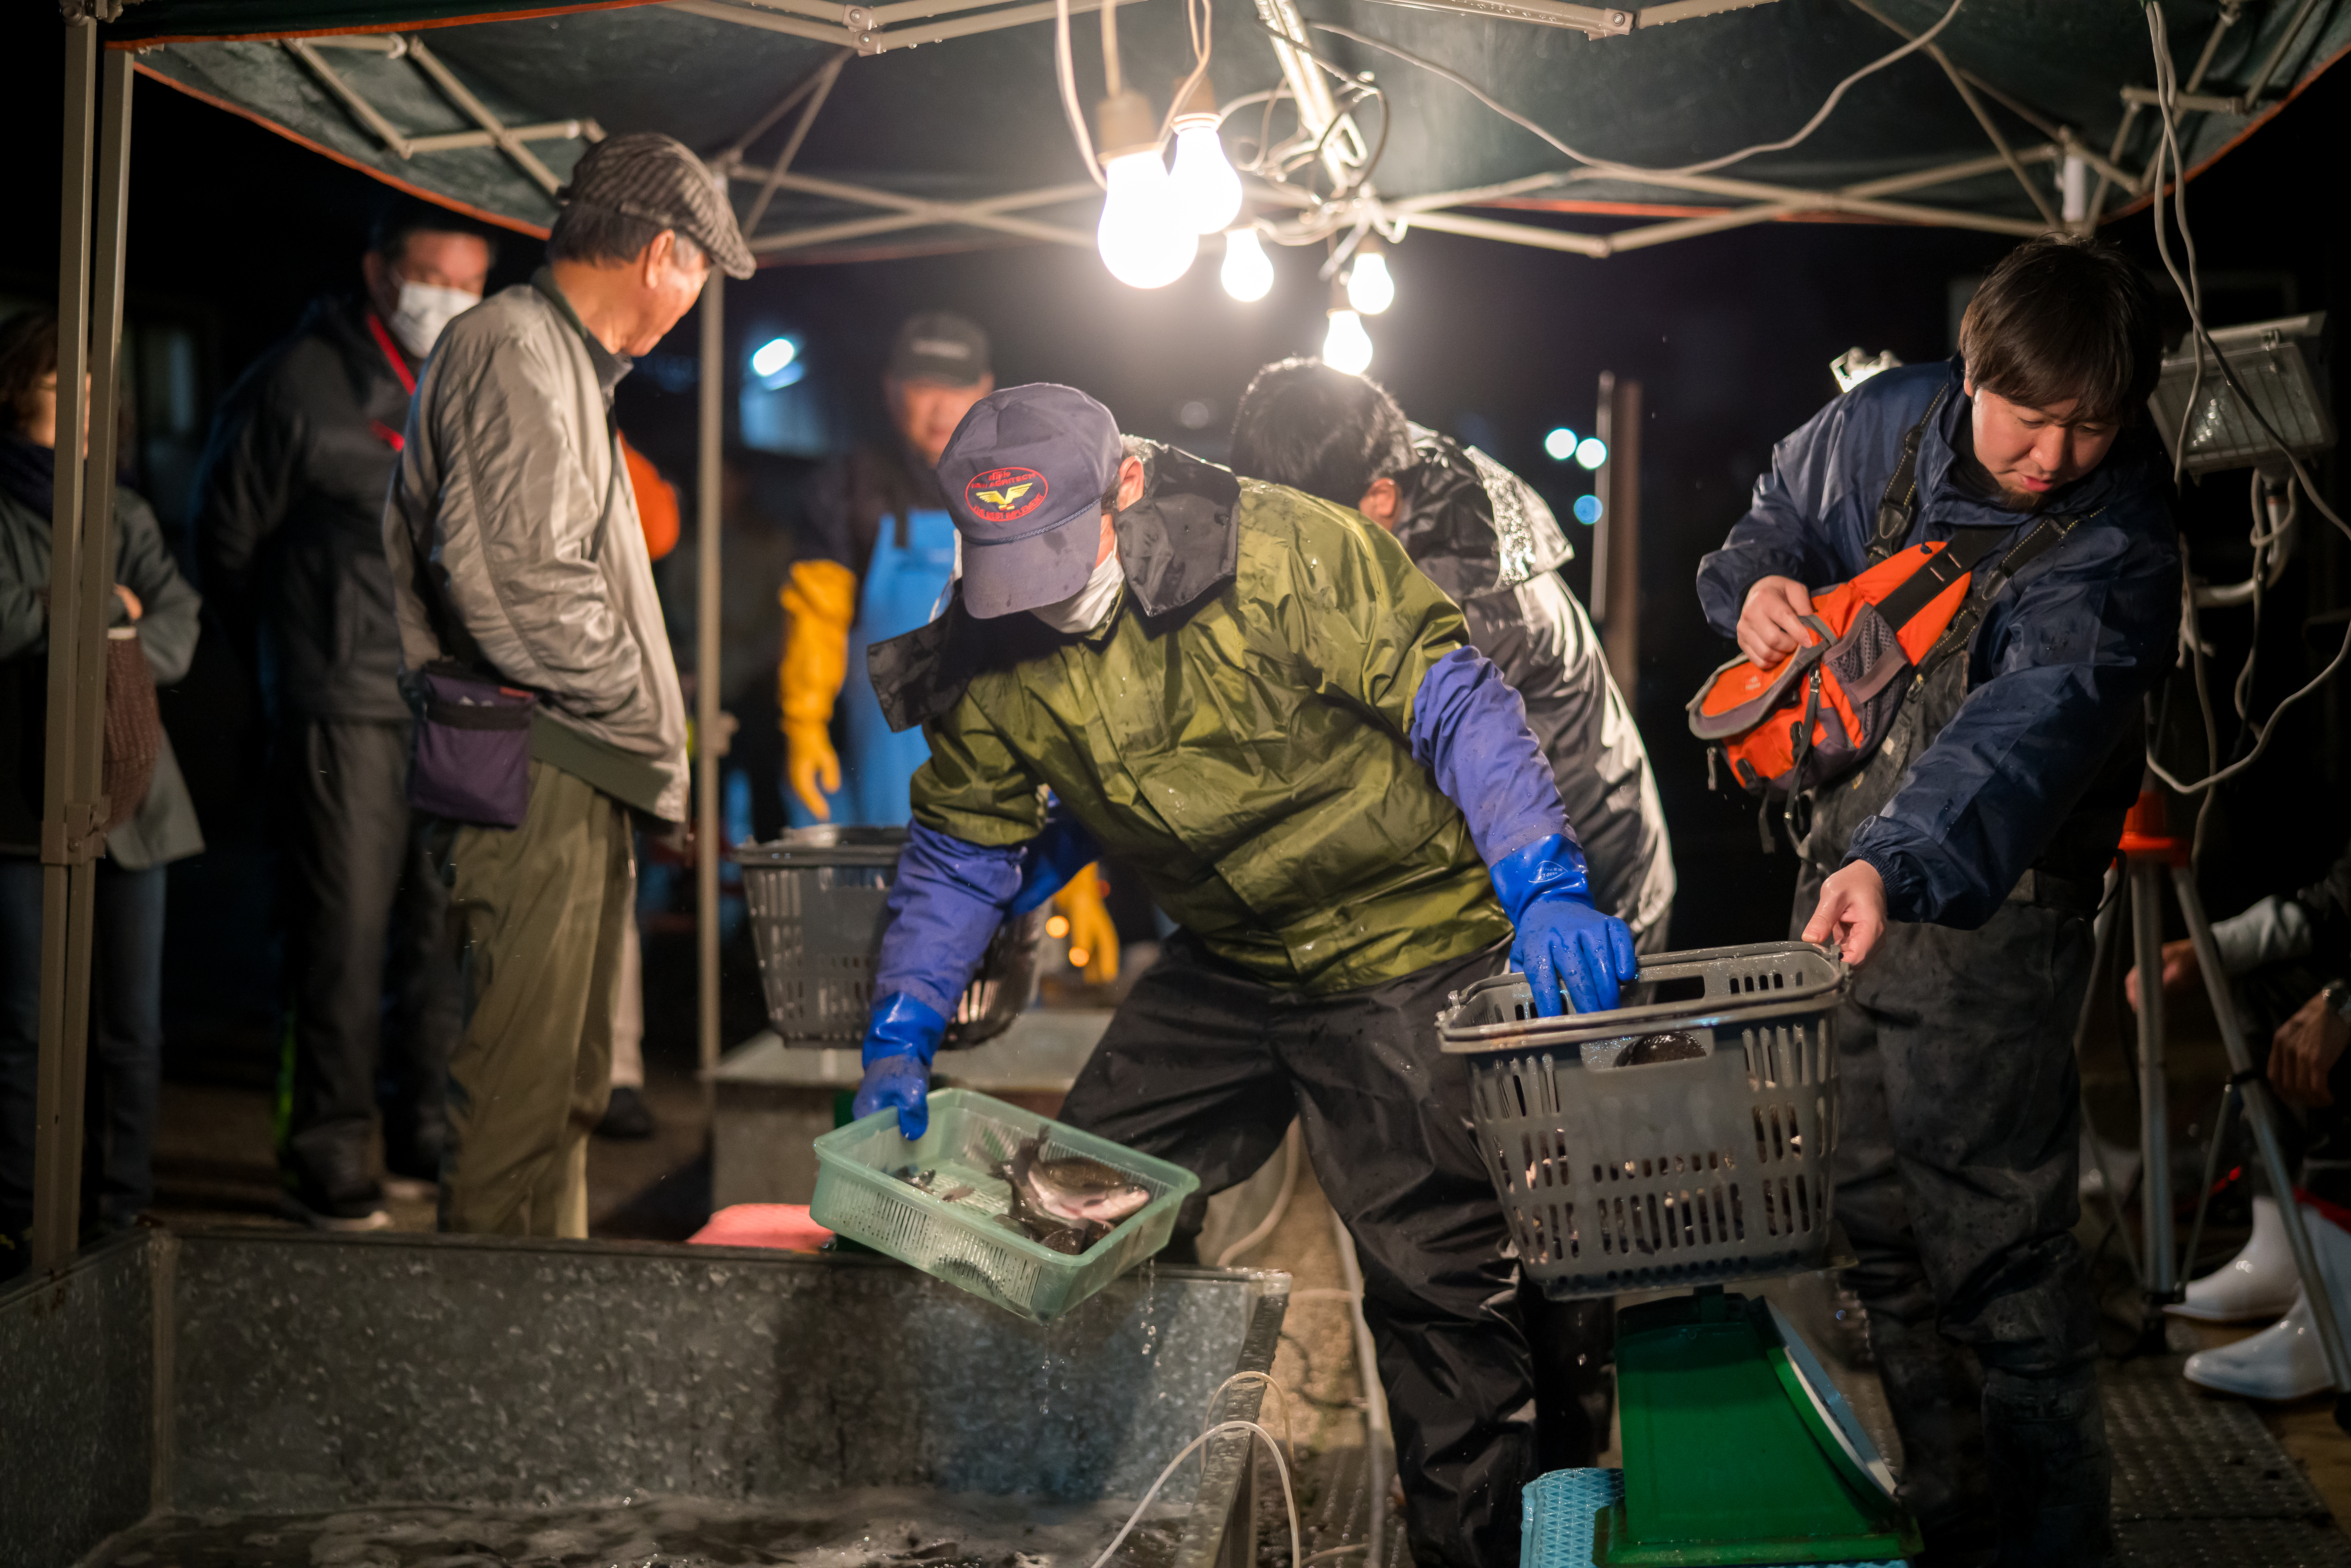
(470, 759)
(1820, 712)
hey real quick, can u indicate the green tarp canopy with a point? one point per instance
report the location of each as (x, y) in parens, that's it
(927, 107)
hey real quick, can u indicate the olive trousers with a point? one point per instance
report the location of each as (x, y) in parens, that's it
(537, 913)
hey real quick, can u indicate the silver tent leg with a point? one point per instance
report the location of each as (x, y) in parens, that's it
(81, 577)
(2261, 1111)
(2145, 879)
(706, 830)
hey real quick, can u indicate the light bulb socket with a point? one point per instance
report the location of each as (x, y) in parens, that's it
(1370, 245)
(1124, 124)
(1339, 301)
(1199, 105)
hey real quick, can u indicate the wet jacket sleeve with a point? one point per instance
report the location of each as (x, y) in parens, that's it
(946, 902)
(2060, 667)
(1380, 636)
(517, 527)
(1810, 519)
(168, 622)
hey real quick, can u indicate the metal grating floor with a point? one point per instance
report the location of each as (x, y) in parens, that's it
(2200, 1480)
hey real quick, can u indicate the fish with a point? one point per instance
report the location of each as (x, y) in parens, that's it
(1067, 1204)
(1674, 1045)
(1075, 1187)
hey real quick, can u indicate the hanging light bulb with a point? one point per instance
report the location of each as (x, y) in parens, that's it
(1248, 272)
(1370, 288)
(1345, 345)
(1207, 191)
(1143, 239)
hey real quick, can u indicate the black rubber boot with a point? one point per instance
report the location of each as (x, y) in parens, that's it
(2051, 1474)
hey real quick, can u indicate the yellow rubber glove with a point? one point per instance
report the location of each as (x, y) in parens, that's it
(1091, 930)
(818, 603)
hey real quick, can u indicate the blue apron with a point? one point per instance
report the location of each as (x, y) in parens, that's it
(904, 584)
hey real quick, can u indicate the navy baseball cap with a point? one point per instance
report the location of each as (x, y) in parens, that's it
(1025, 474)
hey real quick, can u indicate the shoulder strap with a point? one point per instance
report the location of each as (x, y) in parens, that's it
(1939, 571)
(1899, 508)
(2044, 536)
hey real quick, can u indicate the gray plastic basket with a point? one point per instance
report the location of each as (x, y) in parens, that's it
(1668, 1172)
(819, 900)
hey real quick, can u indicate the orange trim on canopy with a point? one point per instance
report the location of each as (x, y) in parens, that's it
(483, 214)
(417, 26)
(2232, 144)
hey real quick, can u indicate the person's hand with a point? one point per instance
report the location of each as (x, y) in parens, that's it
(1572, 954)
(900, 1041)
(813, 765)
(1093, 938)
(2179, 971)
(2304, 1050)
(1771, 622)
(1852, 912)
(130, 601)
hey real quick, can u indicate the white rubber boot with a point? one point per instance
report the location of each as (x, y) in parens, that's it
(2258, 1282)
(2284, 1361)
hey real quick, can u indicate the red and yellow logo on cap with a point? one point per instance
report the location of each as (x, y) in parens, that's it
(1005, 495)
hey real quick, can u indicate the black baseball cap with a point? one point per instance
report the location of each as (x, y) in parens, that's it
(657, 180)
(939, 346)
(1025, 474)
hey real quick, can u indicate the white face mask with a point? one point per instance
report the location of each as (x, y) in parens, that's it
(424, 310)
(1083, 611)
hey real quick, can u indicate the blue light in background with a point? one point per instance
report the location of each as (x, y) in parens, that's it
(776, 363)
(1560, 443)
(1587, 509)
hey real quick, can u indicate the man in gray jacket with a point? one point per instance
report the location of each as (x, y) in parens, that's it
(516, 552)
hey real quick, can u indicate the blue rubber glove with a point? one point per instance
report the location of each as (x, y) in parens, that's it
(1564, 943)
(900, 1041)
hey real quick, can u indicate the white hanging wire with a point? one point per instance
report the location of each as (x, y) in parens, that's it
(2167, 81)
(1065, 72)
(1612, 166)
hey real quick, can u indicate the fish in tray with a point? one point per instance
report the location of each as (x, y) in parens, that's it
(1068, 1204)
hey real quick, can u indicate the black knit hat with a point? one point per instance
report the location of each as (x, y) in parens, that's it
(649, 176)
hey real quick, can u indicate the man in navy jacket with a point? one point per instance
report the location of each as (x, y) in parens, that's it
(1962, 862)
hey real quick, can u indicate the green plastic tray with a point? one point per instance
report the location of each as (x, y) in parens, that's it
(970, 1136)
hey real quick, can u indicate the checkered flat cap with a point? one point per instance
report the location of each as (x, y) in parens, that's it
(651, 176)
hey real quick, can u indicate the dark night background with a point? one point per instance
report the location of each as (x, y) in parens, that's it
(232, 229)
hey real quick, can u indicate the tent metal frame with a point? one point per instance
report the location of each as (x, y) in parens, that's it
(493, 132)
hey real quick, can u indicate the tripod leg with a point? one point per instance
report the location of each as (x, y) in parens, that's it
(2260, 1113)
(2106, 935)
(2161, 1278)
(2211, 1179)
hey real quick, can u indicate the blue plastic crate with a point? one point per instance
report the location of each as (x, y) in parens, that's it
(1556, 1513)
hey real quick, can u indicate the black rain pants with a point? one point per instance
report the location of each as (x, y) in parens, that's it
(1206, 1067)
(374, 984)
(1956, 1160)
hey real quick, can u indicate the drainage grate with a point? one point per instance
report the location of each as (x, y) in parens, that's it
(2180, 1454)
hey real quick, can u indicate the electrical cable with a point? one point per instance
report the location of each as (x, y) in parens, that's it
(2167, 149)
(1290, 1161)
(1279, 1465)
(1610, 165)
(1359, 84)
(1065, 73)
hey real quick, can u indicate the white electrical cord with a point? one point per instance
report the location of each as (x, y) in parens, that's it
(1065, 72)
(1290, 1161)
(1288, 1495)
(2167, 81)
(1609, 165)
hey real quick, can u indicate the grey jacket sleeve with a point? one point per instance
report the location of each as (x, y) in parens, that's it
(169, 623)
(517, 525)
(1544, 645)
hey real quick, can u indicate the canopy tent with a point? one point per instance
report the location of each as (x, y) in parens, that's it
(839, 134)
(842, 138)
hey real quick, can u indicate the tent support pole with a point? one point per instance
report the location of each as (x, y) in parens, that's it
(826, 76)
(1999, 142)
(81, 577)
(478, 113)
(857, 228)
(708, 837)
(988, 214)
